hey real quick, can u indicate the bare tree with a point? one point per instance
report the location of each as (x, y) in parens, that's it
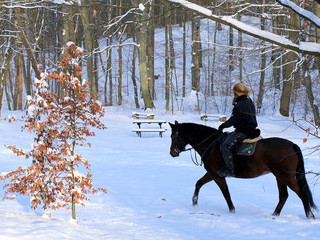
(196, 53)
(143, 41)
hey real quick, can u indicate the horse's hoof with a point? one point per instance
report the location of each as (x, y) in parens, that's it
(310, 216)
(232, 211)
(195, 201)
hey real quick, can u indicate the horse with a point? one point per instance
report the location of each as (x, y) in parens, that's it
(278, 156)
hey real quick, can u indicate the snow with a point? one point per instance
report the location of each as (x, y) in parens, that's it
(141, 7)
(63, 2)
(149, 192)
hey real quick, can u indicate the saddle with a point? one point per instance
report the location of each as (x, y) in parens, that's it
(247, 147)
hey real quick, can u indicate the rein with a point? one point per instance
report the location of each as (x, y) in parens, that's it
(195, 159)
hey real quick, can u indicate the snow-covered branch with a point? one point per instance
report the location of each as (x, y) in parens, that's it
(303, 47)
(301, 11)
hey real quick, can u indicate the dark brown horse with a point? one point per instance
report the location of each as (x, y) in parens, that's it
(276, 155)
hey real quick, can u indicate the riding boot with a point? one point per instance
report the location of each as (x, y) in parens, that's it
(226, 150)
(227, 170)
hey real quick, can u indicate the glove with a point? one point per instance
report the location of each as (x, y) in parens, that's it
(221, 127)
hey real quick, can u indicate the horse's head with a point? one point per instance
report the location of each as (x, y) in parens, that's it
(200, 137)
(178, 144)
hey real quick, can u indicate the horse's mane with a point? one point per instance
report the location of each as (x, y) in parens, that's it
(197, 131)
(199, 127)
(201, 132)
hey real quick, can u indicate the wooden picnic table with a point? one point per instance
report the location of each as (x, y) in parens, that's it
(158, 129)
(138, 115)
(219, 117)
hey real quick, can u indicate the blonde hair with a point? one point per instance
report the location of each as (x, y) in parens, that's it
(241, 89)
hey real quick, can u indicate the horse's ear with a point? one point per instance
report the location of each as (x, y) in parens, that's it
(174, 126)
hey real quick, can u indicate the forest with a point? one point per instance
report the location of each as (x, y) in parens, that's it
(156, 54)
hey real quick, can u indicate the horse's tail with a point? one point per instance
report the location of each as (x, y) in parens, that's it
(301, 178)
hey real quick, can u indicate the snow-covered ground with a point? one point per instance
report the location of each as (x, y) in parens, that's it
(149, 192)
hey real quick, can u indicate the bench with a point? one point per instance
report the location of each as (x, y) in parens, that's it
(140, 130)
(137, 115)
(159, 129)
(214, 117)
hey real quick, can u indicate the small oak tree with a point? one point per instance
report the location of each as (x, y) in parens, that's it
(59, 124)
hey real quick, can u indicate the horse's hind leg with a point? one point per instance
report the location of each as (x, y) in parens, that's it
(205, 179)
(294, 186)
(283, 195)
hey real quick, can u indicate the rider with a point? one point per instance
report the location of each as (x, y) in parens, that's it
(243, 119)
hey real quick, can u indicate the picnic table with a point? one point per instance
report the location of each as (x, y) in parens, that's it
(217, 117)
(138, 115)
(158, 126)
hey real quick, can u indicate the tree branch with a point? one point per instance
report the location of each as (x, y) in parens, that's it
(303, 47)
(301, 11)
(26, 44)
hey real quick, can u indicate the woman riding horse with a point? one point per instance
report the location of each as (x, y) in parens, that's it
(243, 119)
(279, 156)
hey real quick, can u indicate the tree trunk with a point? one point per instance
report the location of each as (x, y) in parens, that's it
(317, 59)
(9, 86)
(240, 51)
(120, 58)
(28, 48)
(109, 66)
(172, 64)
(276, 55)
(2, 82)
(289, 68)
(167, 68)
(17, 98)
(150, 50)
(262, 66)
(172, 60)
(314, 107)
(120, 74)
(1, 86)
(287, 84)
(87, 23)
(66, 24)
(308, 84)
(184, 58)
(133, 76)
(148, 103)
(196, 53)
(231, 60)
(109, 73)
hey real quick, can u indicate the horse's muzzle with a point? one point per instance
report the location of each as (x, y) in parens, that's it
(174, 152)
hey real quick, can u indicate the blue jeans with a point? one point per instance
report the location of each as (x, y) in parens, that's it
(228, 145)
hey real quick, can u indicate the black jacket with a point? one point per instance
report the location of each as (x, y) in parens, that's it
(243, 117)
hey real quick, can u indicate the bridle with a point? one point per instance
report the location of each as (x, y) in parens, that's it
(194, 159)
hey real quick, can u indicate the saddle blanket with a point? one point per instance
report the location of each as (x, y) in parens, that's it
(247, 147)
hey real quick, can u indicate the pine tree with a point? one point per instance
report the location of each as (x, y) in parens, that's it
(59, 124)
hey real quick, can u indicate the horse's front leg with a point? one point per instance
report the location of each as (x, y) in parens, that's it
(221, 182)
(205, 179)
